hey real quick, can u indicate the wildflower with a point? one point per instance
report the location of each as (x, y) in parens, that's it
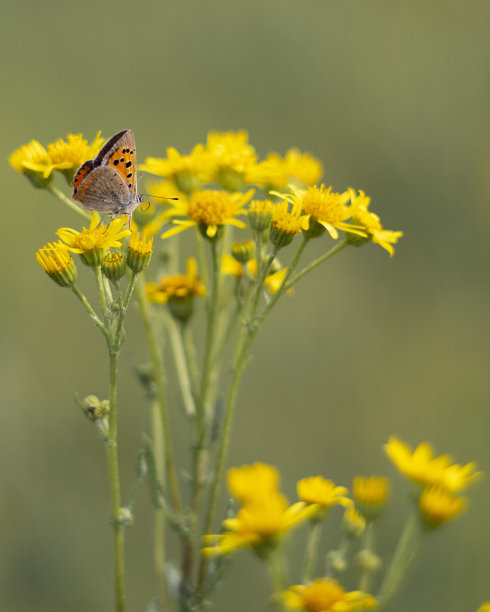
(186, 172)
(250, 482)
(325, 595)
(286, 223)
(67, 156)
(370, 223)
(325, 209)
(233, 159)
(209, 210)
(354, 523)
(260, 214)
(295, 167)
(422, 467)
(371, 494)
(56, 261)
(178, 291)
(259, 525)
(139, 252)
(31, 160)
(438, 505)
(91, 243)
(322, 492)
(485, 607)
(114, 266)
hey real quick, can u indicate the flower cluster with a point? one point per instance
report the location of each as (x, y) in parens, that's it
(438, 480)
(37, 162)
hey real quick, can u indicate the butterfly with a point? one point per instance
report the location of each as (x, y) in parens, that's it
(107, 184)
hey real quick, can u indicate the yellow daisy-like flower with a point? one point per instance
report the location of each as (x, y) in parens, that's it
(97, 236)
(326, 595)
(57, 262)
(438, 506)
(72, 153)
(179, 287)
(370, 223)
(90, 243)
(323, 492)
(187, 172)
(422, 467)
(250, 482)
(209, 210)
(371, 490)
(296, 166)
(259, 524)
(286, 223)
(325, 207)
(232, 157)
(260, 214)
(484, 607)
(31, 157)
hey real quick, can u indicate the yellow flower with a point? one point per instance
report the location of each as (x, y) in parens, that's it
(484, 607)
(259, 524)
(56, 261)
(325, 207)
(326, 595)
(286, 223)
(422, 467)
(187, 172)
(439, 506)
(260, 214)
(278, 172)
(90, 243)
(60, 155)
(177, 288)
(31, 157)
(371, 493)
(232, 157)
(139, 252)
(323, 492)
(370, 223)
(250, 482)
(72, 153)
(209, 210)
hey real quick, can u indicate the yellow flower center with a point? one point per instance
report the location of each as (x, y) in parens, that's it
(211, 207)
(324, 205)
(321, 595)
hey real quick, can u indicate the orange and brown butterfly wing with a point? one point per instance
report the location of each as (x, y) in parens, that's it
(82, 172)
(119, 153)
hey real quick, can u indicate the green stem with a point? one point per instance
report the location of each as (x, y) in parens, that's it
(190, 357)
(157, 363)
(102, 296)
(403, 558)
(181, 365)
(159, 513)
(312, 550)
(367, 570)
(70, 203)
(114, 483)
(89, 309)
(315, 263)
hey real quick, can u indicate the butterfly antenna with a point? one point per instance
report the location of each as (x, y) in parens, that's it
(149, 195)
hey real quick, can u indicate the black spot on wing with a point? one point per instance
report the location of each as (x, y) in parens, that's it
(107, 147)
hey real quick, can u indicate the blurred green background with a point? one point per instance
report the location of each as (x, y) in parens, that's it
(393, 97)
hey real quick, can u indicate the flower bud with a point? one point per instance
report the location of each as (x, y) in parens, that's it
(114, 266)
(243, 251)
